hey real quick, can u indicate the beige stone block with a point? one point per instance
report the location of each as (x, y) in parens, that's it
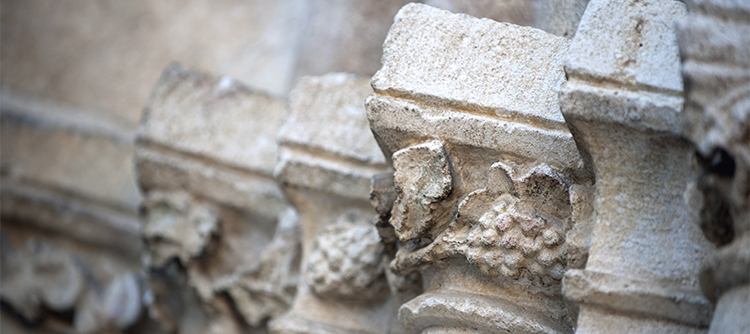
(70, 173)
(629, 43)
(335, 103)
(328, 158)
(68, 151)
(195, 135)
(424, 58)
(341, 156)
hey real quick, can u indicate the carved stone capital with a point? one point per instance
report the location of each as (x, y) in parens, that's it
(327, 160)
(715, 50)
(220, 235)
(483, 167)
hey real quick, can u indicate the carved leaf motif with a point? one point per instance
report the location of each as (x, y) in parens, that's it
(422, 179)
(177, 226)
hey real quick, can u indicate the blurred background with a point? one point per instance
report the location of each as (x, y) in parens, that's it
(75, 75)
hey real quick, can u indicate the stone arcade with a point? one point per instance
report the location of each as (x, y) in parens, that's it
(591, 177)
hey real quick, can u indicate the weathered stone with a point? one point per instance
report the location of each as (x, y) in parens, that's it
(51, 272)
(326, 171)
(212, 204)
(622, 103)
(483, 166)
(715, 49)
(68, 173)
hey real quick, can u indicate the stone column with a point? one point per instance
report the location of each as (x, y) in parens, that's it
(622, 102)
(485, 169)
(715, 48)
(327, 159)
(221, 237)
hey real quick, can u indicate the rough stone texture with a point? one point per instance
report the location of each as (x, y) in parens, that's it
(622, 103)
(326, 173)
(345, 36)
(483, 165)
(211, 204)
(714, 46)
(500, 51)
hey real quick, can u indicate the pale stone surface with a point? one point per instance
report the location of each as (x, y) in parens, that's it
(194, 120)
(319, 102)
(344, 36)
(66, 175)
(72, 152)
(520, 12)
(211, 204)
(560, 17)
(623, 103)
(439, 66)
(482, 172)
(629, 43)
(326, 172)
(52, 272)
(715, 49)
(76, 60)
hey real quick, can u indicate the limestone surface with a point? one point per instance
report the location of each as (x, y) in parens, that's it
(468, 111)
(212, 205)
(436, 64)
(716, 61)
(623, 103)
(328, 157)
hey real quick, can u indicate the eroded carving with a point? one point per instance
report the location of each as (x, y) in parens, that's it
(347, 263)
(41, 275)
(422, 179)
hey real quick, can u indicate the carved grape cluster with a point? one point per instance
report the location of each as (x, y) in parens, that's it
(514, 241)
(516, 227)
(348, 261)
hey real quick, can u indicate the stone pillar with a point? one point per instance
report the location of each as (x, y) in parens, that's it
(485, 169)
(327, 159)
(715, 49)
(622, 102)
(221, 237)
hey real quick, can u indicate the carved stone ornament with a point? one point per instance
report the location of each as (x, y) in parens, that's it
(715, 49)
(485, 174)
(221, 238)
(327, 159)
(45, 276)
